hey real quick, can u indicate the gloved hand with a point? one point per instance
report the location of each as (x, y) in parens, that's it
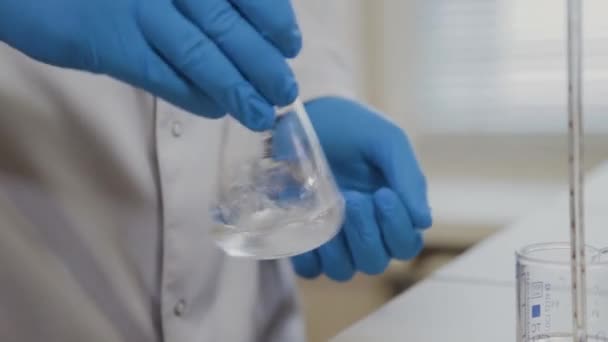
(206, 56)
(384, 189)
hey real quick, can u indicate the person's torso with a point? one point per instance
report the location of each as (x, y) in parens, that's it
(104, 196)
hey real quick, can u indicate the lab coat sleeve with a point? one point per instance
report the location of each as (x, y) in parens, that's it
(325, 65)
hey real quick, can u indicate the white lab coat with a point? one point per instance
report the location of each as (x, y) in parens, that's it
(104, 192)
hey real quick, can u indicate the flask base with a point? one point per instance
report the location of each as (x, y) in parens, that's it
(280, 242)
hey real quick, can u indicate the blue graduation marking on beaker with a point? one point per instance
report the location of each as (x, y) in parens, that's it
(535, 310)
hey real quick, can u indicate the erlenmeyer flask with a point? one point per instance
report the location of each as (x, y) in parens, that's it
(276, 195)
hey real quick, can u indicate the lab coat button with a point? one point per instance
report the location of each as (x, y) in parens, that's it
(177, 129)
(180, 308)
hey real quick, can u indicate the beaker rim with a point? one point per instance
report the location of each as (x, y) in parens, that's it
(523, 254)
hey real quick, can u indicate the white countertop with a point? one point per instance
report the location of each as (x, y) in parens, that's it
(441, 311)
(473, 298)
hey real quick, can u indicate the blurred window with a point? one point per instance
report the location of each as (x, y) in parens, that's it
(498, 66)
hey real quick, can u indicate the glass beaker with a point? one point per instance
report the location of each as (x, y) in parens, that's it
(276, 195)
(544, 293)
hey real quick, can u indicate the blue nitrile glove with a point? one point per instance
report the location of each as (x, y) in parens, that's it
(384, 189)
(206, 56)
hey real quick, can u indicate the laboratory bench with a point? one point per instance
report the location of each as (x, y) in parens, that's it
(473, 297)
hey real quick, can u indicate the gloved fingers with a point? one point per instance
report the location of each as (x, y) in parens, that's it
(256, 58)
(156, 76)
(401, 239)
(395, 156)
(363, 234)
(335, 259)
(276, 20)
(196, 57)
(307, 265)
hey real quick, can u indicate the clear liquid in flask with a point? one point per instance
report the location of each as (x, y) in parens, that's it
(277, 196)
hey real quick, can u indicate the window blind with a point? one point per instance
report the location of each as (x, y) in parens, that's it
(498, 66)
